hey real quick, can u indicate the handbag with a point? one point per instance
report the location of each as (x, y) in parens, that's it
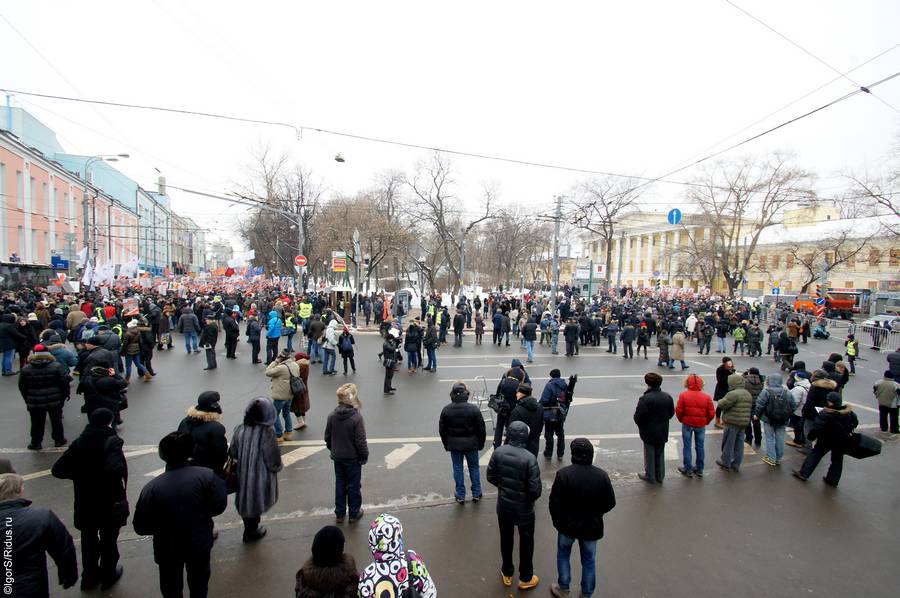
(229, 475)
(861, 446)
(298, 387)
(389, 363)
(497, 404)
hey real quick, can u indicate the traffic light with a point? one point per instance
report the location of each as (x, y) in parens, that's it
(658, 284)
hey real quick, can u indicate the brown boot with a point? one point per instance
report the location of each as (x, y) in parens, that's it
(148, 377)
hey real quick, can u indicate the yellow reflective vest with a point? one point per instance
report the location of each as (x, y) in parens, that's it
(305, 310)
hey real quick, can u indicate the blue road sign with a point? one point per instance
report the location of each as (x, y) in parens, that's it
(776, 291)
(820, 301)
(656, 273)
(674, 216)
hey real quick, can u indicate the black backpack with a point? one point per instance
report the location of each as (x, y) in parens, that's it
(778, 408)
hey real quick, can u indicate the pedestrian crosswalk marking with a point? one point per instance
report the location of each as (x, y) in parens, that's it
(398, 456)
(671, 452)
(486, 457)
(299, 454)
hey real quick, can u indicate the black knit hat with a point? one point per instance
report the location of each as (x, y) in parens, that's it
(101, 417)
(328, 546)
(835, 399)
(524, 389)
(582, 451)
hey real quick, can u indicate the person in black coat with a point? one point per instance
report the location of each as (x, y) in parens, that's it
(96, 464)
(103, 388)
(831, 431)
(722, 373)
(232, 332)
(202, 422)
(177, 508)
(208, 339)
(580, 496)
(462, 431)
(35, 532)
(506, 392)
(253, 333)
(10, 338)
(44, 385)
(513, 469)
(654, 410)
(459, 324)
(570, 333)
(529, 411)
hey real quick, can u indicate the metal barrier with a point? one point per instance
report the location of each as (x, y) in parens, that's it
(481, 397)
(872, 337)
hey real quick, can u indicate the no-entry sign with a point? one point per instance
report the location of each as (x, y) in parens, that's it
(300, 260)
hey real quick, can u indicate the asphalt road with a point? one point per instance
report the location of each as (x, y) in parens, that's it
(760, 533)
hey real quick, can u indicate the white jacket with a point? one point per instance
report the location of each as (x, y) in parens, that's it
(799, 392)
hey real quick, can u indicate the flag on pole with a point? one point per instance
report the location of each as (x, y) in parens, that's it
(82, 257)
(87, 279)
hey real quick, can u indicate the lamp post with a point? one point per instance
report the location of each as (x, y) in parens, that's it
(84, 200)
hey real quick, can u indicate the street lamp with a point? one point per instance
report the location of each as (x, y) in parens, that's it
(84, 200)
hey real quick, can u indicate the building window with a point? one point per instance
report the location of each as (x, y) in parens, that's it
(787, 285)
(895, 258)
(829, 257)
(874, 257)
(33, 256)
(21, 233)
(20, 191)
(789, 261)
(642, 265)
(848, 284)
(760, 285)
(851, 262)
(775, 260)
(45, 250)
(762, 263)
(873, 285)
(29, 204)
(51, 208)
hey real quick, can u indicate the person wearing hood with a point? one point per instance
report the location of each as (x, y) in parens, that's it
(202, 422)
(677, 350)
(44, 385)
(774, 407)
(737, 407)
(432, 344)
(131, 349)
(255, 452)
(513, 469)
(329, 572)
(831, 430)
(695, 409)
(816, 400)
(799, 366)
(273, 335)
(345, 348)
(412, 344)
(581, 495)
(389, 357)
(10, 338)
(96, 464)
(345, 439)
(529, 411)
(177, 509)
(753, 383)
(61, 352)
(654, 410)
(799, 391)
(725, 369)
(103, 388)
(329, 346)
(555, 404)
(462, 431)
(395, 571)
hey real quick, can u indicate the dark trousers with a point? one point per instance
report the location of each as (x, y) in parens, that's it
(552, 429)
(645, 350)
(271, 349)
(388, 377)
(526, 548)
(171, 575)
(885, 414)
(570, 347)
(753, 432)
(251, 524)
(99, 553)
(345, 357)
(500, 428)
(147, 361)
(797, 425)
(704, 344)
(628, 350)
(816, 454)
(39, 419)
(457, 339)
(654, 461)
(347, 488)
(254, 351)
(230, 347)
(496, 337)
(612, 344)
(211, 358)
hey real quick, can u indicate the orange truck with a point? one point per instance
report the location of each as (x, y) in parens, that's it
(837, 305)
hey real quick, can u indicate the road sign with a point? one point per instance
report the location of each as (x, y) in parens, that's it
(820, 301)
(599, 269)
(776, 291)
(655, 273)
(338, 261)
(674, 216)
(300, 260)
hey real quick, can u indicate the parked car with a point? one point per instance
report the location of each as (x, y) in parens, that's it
(893, 321)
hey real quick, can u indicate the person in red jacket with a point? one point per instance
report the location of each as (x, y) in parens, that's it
(695, 409)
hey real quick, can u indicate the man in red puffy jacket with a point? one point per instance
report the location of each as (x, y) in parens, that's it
(695, 409)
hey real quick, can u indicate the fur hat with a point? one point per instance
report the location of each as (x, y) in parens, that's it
(347, 394)
(176, 447)
(132, 324)
(653, 380)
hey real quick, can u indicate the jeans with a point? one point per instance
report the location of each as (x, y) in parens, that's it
(738, 345)
(704, 344)
(699, 437)
(8, 361)
(588, 550)
(347, 476)
(314, 350)
(526, 548)
(774, 441)
(684, 366)
(329, 362)
(39, 419)
(612, 345)
(471, 458)
(733, 446)
(432, 358)
(529, 346)
(807, 428)
(885, 414)
(99, 553)
(282, 411)
(720, 348)
(412, 359)
(191, 338)
(552, 429)
(654, 462)
(290, 342)
(271, 349)
(136, 360)
(171, 575)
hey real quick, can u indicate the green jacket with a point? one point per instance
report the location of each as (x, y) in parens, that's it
(737, 404)
(886, 392)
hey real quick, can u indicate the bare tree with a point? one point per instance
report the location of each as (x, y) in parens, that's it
(599, 203)
(836, 250)
(696, 257)
(877, 196)
(739, 200)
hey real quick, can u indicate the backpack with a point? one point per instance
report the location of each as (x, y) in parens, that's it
(346, 344)
(298, 387)
(778, 408)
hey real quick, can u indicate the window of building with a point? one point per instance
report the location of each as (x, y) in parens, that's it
(21, 233)
(895, 258)
(787, 285)
(775, 260)
(642, 265)
(29, 201)
(851, 262)
(789, 261)
(873, 285)
(874, 257)
(33, 255)
(45, 250)
(762, 262)
(808, 259)
(848, 284)
(20, 190)
(760, 284)
(829, 257)
(51, 202)
(39, 204)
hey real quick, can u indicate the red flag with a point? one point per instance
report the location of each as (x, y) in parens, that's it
(229, 271)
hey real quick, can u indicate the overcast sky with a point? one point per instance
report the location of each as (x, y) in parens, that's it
(632, 87)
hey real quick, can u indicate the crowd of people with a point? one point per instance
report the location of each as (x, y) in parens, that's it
(101, 341)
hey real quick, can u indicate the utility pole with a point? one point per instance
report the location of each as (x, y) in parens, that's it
(462, 259)
(300, 282)
(554, 289)
(619, 266)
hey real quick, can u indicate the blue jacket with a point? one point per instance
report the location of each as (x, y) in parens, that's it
(273, 327)
(497, 320)
(552, 390)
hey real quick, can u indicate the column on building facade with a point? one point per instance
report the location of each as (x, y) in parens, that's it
(638, 260)
(626, 264)
(650, 254)
(661, 257)
(675, 261)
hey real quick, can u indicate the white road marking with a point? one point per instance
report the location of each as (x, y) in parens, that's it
(863, 407)
(299, 454)
(706, 365)
(579, 401)
(398, 456)
(486, 457)
(494, 365)
(155, 472)
(672, 453)
(581, 377)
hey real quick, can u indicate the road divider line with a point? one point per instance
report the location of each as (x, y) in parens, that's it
(399, 456)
